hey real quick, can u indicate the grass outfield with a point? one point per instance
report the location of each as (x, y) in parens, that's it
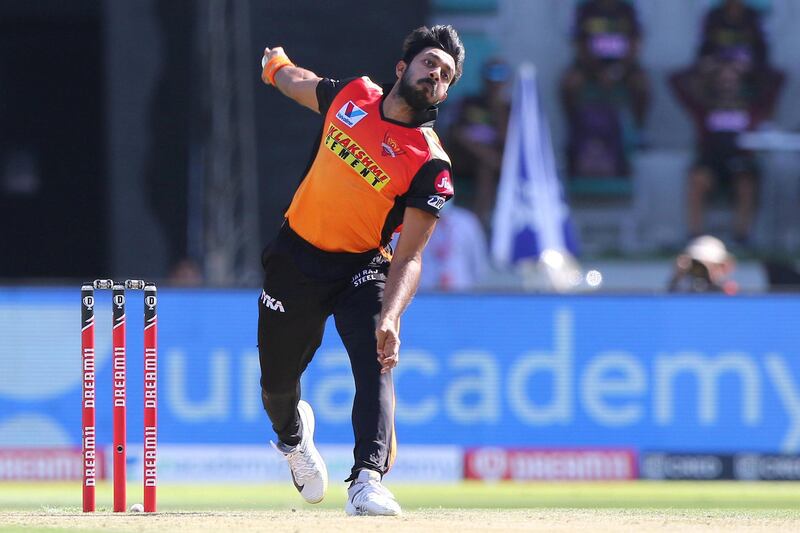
(468, 495)
(634, 506)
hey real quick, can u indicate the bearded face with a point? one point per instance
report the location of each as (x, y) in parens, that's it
(419, 94)
(423, 82)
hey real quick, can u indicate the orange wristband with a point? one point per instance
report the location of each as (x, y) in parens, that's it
(273, 66)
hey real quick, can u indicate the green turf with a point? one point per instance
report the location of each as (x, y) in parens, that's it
(630, 495)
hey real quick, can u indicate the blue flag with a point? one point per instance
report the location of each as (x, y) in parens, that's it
(530, 215)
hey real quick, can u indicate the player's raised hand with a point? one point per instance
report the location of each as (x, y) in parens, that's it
(270, 53)
(388, 336)
(299, 84)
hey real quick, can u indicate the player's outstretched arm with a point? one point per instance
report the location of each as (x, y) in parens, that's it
(297, 83)
(402, 283)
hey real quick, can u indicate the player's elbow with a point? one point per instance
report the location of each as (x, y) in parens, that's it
(299, 90)
(410, 261)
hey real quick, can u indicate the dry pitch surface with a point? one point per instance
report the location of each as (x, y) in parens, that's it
(439, 520)
(584, 507)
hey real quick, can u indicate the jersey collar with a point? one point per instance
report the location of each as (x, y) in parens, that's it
(426, 119)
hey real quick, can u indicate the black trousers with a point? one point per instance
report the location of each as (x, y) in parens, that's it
(303, 286)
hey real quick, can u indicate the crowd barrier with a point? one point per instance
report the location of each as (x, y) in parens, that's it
(638, 381)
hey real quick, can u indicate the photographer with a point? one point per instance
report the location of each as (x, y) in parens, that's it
(704, 266)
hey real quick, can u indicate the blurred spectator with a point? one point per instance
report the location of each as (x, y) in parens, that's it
(456, 255)
(477, 138)
(704, 266)
(783, 275)
(21, 176)
(721, 108)
(175, 122)
(186, 273)
(602, 88)
(732, 31)
(729, 89)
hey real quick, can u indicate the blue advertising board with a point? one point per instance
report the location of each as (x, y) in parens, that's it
(683, 373)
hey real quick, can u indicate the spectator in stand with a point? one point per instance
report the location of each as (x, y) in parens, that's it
(456, 256)
(732, 31)
(604, 85)
(705, 266)
(186, 273)
(730, 89)
(477, 138)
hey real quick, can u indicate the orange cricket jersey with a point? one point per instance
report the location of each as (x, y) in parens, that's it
(366, 170)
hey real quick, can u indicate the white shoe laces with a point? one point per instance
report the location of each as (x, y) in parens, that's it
(300, 461)
(371, 488)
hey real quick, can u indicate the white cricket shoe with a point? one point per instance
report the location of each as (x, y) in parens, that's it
(367, 496)
(309, 474)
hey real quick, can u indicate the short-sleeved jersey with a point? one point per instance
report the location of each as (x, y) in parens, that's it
(365, 171)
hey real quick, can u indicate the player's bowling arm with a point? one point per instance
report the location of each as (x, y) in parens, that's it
(402, 283)
(297, 83)
(300, 85)
(406, 265)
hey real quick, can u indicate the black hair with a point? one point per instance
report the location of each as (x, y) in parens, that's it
(443, 37)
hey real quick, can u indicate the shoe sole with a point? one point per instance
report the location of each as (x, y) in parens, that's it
(351, 510)
(307, 420)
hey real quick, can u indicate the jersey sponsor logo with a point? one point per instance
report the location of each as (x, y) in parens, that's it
(443, 183)
(436, 201)
(270, 302)
(351, 114)
(356, 157)
(390, 146)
